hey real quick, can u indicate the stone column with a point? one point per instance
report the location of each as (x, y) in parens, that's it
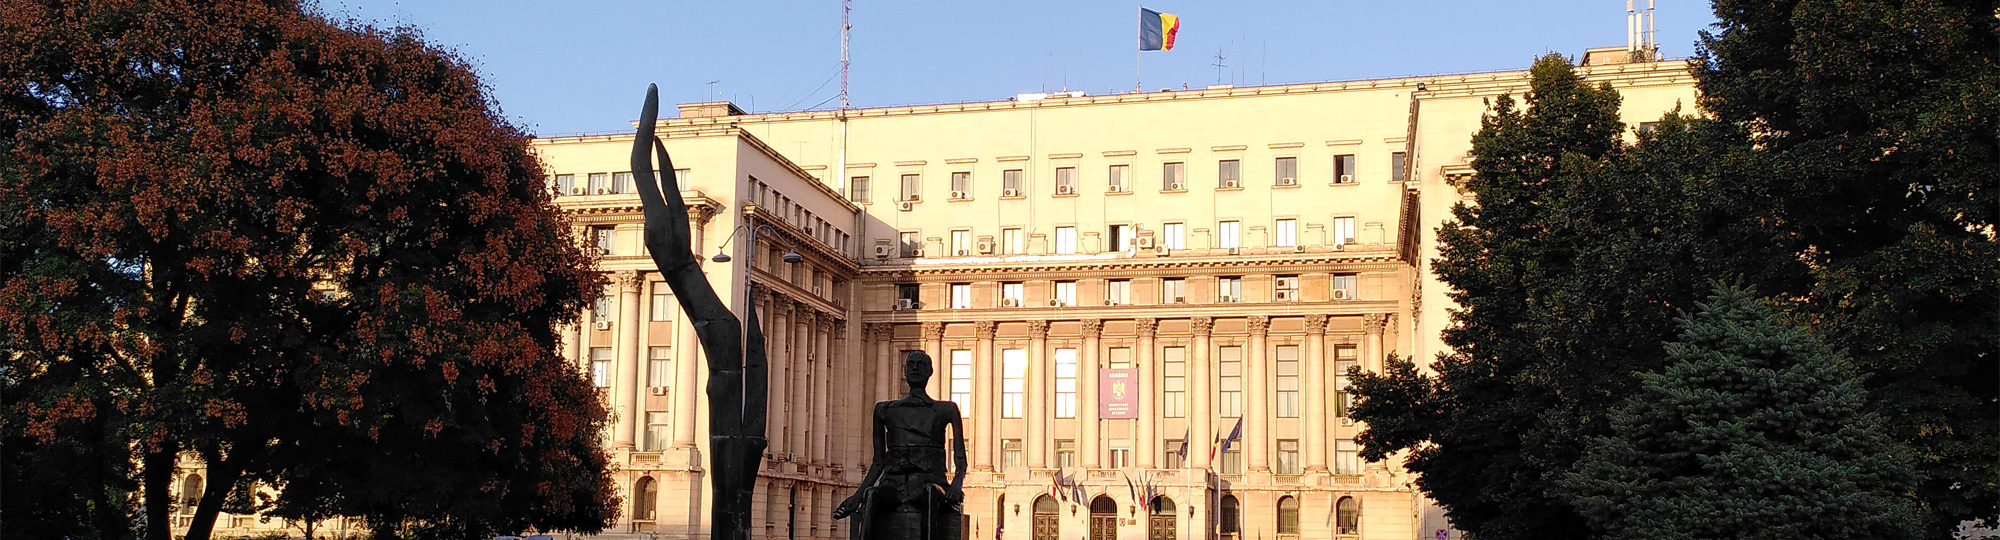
(1257, 398)
(572, 340)
(882, 384)
(1201, 417)
(822, 359)
(776, 347)
(625, 387)
(1149, 441)
(847, 387)
(1316, 414)
(934, 346)
(1037, 409)
(801, 398)
(1086, 409)
(985, 387)
(1373, 325)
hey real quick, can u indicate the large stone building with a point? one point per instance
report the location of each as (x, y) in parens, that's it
(1108, 284)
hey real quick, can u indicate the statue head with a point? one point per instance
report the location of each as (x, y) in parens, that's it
(917, 369)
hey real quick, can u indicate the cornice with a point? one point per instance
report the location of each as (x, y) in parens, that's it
(1209, 265)
(1239, 310)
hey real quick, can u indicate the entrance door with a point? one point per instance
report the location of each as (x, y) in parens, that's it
(1162, 525)
(1048, 519)
(1103, 519)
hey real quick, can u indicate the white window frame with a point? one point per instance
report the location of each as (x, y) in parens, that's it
(1343, 230)
(1228, 234)
(1173, 234)
(961, 296)
(1065, 240)
(1065, 292)
(1287, 232)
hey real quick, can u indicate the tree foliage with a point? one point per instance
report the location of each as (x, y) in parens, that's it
(312, 257)
(1754, 429)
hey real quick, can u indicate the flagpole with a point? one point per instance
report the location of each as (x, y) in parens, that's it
(1138, 62)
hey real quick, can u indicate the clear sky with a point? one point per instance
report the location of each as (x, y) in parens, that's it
(581, 66)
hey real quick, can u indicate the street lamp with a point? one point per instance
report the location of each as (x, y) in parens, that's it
(722, 256)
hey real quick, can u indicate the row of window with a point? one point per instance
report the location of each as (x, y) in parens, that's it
(1173, 396)
(1122, 237)
(1118, 292)
(1118, 455)
(1119, 179)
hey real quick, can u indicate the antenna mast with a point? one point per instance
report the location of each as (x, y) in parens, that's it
(845, 7)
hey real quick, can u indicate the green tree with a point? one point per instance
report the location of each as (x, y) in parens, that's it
(1885, 119)
(311, 257)
(1754, 429)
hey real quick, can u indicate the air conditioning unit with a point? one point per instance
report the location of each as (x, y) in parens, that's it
(1010, 193)
(601, 325)
(1231, 184)
(1161, 250)
(1010, 302)
(1288, 181)
(1109, 301)
(1299, 249)
(658, 390)
(576, 191)
(1145, 242)
(883, 251)
(1229, 299)
(959, 195)
(916, 253)
(963, 252)
(1347, 179)
(914, 197)
(1284, 295)
(906, 206)
(1235, 251)
(1055, 302)
(985, 247)
(1340, 294)
(1176, 186)
(600, 191)
(1180, 299)
(1065, 189)
(1115, 188)
(905, 303)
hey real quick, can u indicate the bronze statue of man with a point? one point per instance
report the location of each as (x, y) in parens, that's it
(905, 496)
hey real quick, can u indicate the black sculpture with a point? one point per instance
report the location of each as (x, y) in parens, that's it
(736, 369)
(911, 501)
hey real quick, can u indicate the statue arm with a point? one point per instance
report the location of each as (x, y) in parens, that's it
(957, 453)
(877, 432)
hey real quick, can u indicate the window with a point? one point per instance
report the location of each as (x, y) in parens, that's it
(961, 184)
(1118, 292)
(1172, 235)
(1229, 174)
(1344, 358)
(1288, 171)
(1345, 285)
(1012, 242)
(1288, 510)
(912, 244)
(1343, 169)
(1230, 516)
(1120, 455)
(659, 366)
(1229, 289)
(657, 434)
(1232, 459)
(600, 183)
(605, 237)
(682, 177)
(602, 310)
(1172, 459)
(1644, 127)
(1397, 162)
(1173, 397)
(1010, 294)
(1120, 357)
(1343, 230)
(663, 302)
(1065, 240)
(621, 182)
(1287, 233)
(1229, 383)
(1013, 382)
(1065, 180)
(1173, 290)
(961, 243)
(961, 381)
(1065, 383)
(1347, 516)
(1010, 183)
(1286, 288)
(1065, 453)
(857, 189)
(1287, 405)
(1118, 179)
(1173, 176)
(910, 292)
(1010, 454)
(566, 185)
(646, 494)
(1121, 238)
(1346, 457)
(912, 190)
(1228, 235)
(961, 296)
(1065, 293)
(600, 367)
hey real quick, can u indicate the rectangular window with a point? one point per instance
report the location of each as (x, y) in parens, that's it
(1288, 456)
(682, 177)
(1171, 234)
(1121, 454)
(961, 185)
(658, 434)
(1065, 383)
(602, 310)
(961, 243)
(1173, 291)
(1286, 288)
(1172, 459)
(605, 237)
(1343, 230)
(961, 296)
(1065, 240)
(857, 189)
(621, 182)
(1119, 358)
(1344, 358)
(1118, 292)
(1229, 382)
(1288, 171)
(659, 366)
(1287, 232)
(1120, 238)
(961, 381)
(1173, 176)
(1065, 180)
(663, 302)
(1347, 286)
(1287, 402)
(600, 367)
(1346, 457)
(600, 183)
(1065, 453)
(912, 189)
(1398, 163)
(1343, 169)
(1012, 242)
(1229, 174)
(1065, 293)
(1229, 289)
(1118, 181)
(1010, 454)
(566, 185)
(908, 292)
(912, 244)
(1228, 235)
(1232, 460)
(1013, 381)
(1010, 183)
(1173, 372)
(1010, 294)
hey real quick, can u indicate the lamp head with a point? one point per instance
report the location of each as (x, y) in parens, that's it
(720, 257)
(793, 257)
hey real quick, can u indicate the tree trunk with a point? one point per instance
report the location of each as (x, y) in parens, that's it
(222, 476)
(157, 481)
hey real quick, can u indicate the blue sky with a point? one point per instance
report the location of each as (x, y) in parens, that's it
(581, 66)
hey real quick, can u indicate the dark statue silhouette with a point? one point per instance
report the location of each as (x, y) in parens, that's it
(905, 496)
(736, 366)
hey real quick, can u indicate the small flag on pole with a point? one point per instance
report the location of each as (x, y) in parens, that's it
(1185, 441)
(1156, 30)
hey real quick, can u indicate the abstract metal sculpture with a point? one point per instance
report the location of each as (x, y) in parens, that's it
(911, 501)
(736, 366)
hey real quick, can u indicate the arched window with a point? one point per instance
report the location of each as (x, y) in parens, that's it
(1046, 505)
(1048, 519)
(1163, 524)
(1228, 515)
(644, 493)
(1288, 515)
(1347, 516)
(1000, 514)
(1163, 506)
(190, 493)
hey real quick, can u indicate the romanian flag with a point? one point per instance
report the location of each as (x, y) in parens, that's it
(1156, 30)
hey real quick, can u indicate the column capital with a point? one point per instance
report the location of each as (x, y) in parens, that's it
(984, 329)
(837, 326)
(933, 330)
(1093, 328)
(1315, 324)
(1373, 323)
(762, 296)
(1038, 329)
(1202, 325)
(700, 214)
(629, 280)
(879, 331)
(1260, 324)
(1146, 326)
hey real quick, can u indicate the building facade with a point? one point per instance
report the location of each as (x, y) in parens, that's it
(1109, 285)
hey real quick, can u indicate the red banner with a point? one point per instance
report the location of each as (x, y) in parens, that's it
(1118, 393)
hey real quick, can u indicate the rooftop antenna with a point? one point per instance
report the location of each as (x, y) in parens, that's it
(845, 7)
(1219, 65)
(711, 89)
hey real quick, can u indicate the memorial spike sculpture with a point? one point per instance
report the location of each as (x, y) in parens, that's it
(736, 366)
